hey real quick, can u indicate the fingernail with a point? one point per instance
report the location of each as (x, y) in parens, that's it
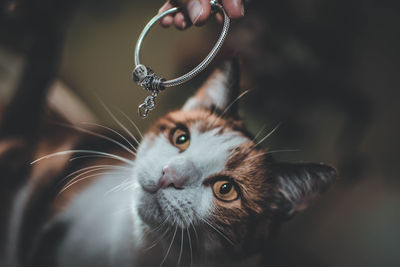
(162, 8)
(166, 21)
(195, 11)
(183, 25)
(242, 10)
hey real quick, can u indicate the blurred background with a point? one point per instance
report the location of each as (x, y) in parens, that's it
(328, 71)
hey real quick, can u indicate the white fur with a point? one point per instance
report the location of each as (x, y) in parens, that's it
(103, 225)
(215, 92)
(219, 94)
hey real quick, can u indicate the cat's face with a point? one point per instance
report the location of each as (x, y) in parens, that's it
(195, 166)
(199, 167)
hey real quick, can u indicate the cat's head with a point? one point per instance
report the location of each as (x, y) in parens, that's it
(200, 168)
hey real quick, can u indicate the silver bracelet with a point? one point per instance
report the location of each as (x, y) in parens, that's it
(146, 78)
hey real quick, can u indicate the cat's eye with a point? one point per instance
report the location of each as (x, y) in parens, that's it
(225, 190)
(181, 139)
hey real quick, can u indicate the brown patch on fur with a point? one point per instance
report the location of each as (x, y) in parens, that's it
(47, 176)
(247, 167)
(206, 120)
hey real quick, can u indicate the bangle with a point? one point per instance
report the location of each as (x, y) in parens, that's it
(146, 78)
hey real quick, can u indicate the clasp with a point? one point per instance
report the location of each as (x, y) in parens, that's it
(148, 104)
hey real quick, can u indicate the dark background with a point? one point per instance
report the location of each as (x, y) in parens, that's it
(328, 71)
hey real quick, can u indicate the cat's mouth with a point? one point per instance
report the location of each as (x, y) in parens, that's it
(176, 187)
(154, 188)
(171, 205)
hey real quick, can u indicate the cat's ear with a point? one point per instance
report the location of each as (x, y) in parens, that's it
(219, 91)
(299, 184)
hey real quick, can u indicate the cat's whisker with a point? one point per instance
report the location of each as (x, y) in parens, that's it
(195, 232)
(170, 245)
(158, 240)
(121, 187)
(87, 172)
(160, 225)
(259, 132)
(190, 247)
(256, 156)
(66, 152)
(79, 180)
(272, 152)
(218, 231)
(131, 122)
(228, 107)
(114, 131)
(180, 251)
(98, 135)
(117, 121)
(122, 210)
(84, 169)
(234, 101)
(147, 232)
(132, 186)
(89, 156)
(91, 168)
(268, 134)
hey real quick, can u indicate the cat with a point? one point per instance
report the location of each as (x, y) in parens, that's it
(197, 191)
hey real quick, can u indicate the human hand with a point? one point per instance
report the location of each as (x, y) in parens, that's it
(197, 12)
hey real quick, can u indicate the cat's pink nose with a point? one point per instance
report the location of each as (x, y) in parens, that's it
(171, 177)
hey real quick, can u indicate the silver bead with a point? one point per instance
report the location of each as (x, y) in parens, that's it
(147, 82)
(156, 83)
(139, 73)
(215, 4)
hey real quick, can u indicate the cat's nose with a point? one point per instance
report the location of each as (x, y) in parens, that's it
(170, 177)
(178, 174)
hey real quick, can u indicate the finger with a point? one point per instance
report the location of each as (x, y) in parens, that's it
(167, 20)
(165, 7)
(180, 21)
(234, 8)
(198, 10)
